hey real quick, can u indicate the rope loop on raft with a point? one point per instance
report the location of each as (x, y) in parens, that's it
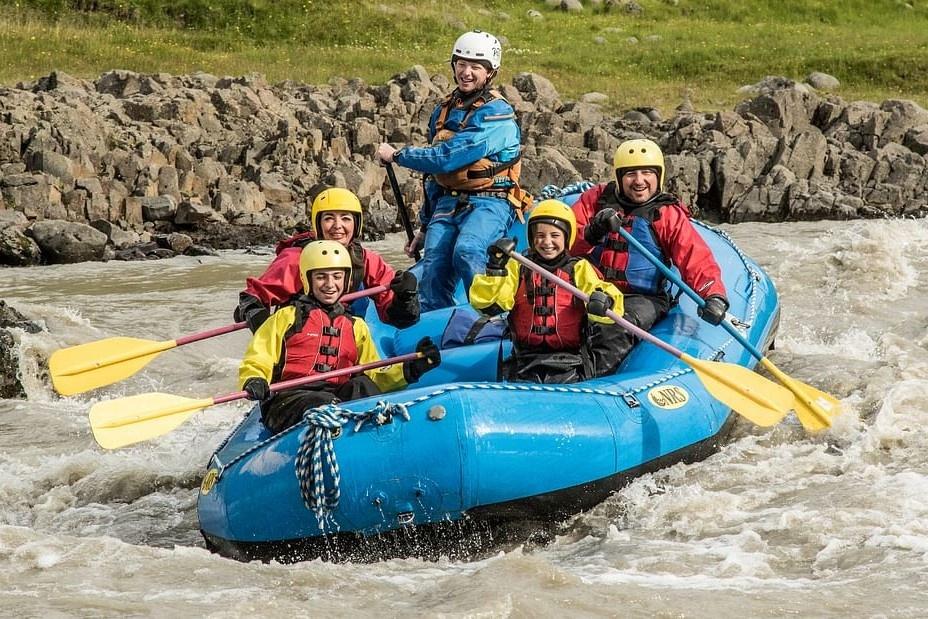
(316, 465)
(553, 191)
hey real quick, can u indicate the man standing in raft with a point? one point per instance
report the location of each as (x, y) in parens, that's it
(336, 215)
(314, 334)
(661, 223)
(473, 164)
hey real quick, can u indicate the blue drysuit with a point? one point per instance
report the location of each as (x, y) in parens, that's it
(459, 228)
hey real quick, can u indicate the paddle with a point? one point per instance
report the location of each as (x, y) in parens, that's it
(80, 368)
(124, 421)
(401, 207)
(744, 391)
(815, 409)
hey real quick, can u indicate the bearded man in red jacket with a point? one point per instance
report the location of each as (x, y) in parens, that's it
(635, 202)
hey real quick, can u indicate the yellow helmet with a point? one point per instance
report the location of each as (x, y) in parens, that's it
(639, 154)
(324, 255)
(337, 199)
(555, 213)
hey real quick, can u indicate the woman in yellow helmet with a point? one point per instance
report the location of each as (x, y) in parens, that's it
(551, 329)
(336, 215)
(314, 334)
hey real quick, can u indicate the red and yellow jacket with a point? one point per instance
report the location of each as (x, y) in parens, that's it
(542, 315)
(302, 339)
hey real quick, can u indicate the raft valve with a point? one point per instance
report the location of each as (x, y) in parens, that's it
(437, 412)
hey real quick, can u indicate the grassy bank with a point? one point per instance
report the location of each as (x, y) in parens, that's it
(878, 49)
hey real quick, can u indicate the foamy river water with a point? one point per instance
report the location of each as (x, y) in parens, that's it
(778, 523)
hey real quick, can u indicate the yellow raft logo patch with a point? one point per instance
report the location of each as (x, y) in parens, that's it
(668, 396)
(209, 481)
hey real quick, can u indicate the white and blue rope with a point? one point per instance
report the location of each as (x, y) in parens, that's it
(316, 465)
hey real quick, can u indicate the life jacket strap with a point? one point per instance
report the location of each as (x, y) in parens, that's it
(616, 275)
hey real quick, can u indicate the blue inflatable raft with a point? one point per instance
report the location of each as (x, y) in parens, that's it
(473, 450)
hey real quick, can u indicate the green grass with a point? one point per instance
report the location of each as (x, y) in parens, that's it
(878, 49)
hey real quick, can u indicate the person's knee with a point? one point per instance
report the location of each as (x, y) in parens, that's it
(470, 255)
(434, 267)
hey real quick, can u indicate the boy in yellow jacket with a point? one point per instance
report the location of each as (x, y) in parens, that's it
(555, 338)
(314, 335)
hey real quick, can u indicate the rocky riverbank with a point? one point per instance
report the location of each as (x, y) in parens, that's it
(135, 166)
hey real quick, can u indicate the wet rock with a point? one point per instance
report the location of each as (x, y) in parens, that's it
(10, 385)
(175, 241)
(17, 249)
(200, 250)
(10, 317)
(66, 241)
(135, 252)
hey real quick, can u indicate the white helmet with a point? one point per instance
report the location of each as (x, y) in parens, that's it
(478, 45)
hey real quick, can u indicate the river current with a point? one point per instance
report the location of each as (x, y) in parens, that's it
(777, 523)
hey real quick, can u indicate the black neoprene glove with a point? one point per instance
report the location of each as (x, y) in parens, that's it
(603, 222)
(404, 310)
(714, 310)
(257, 389)
(498, 255)
(599, 303)
(404, 284)
(430, 359)
(251, 310)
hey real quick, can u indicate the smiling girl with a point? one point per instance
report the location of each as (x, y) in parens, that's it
(552, 331)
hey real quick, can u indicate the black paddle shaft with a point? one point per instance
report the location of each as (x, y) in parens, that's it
(401, 206)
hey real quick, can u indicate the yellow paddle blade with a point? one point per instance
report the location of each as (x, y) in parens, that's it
(96, 364)
(124, 421)
(747, 393)
(815, 409)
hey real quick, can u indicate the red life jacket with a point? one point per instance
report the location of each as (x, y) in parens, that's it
(544, 315)
(626, 267)
(317, 342)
